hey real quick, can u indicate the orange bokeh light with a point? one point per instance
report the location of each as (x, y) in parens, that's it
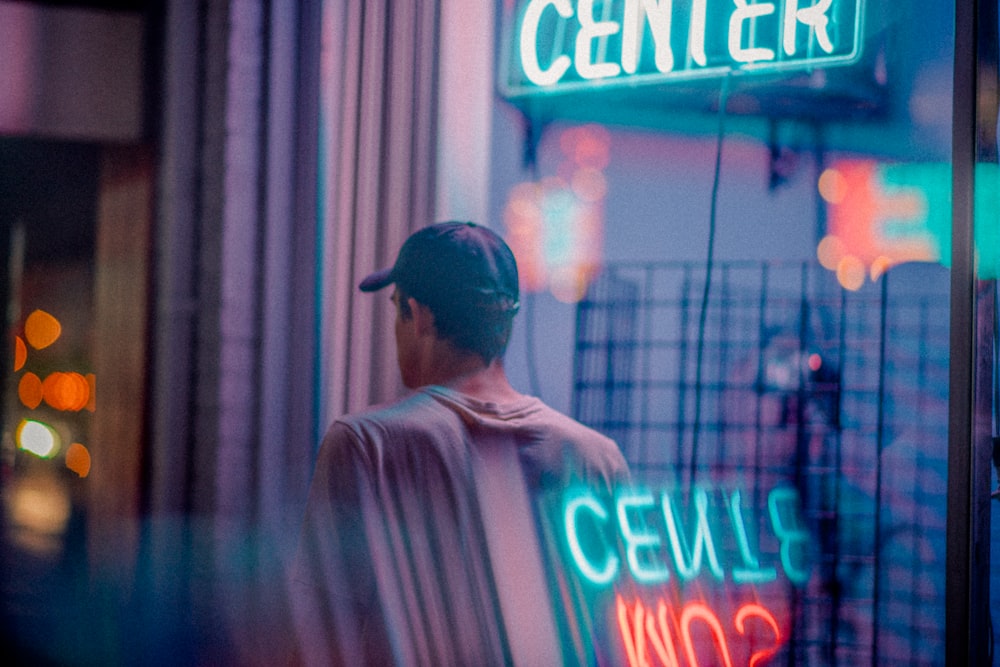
(851, 273)
(66, 391)
(830, 251)
(569, 284)
(833, 186)
(78, 459)
(41, 329)
(29, 390)
(880, 266)
(20, 353)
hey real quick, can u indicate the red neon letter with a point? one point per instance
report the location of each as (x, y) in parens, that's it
(663, 642)
(635, 644)
(640, 629)
(700, 610)
(643, 627)
(760, 612)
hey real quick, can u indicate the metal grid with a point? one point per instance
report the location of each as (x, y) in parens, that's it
(841, 394)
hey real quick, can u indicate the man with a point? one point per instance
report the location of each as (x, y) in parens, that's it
(421, 538)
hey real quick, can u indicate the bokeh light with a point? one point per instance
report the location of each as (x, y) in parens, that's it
(39, 509)
(523, 202)
(41, 329)
(880, 265)
(587, 146)
(851, 273)
(589, 185)
(815, 362)
(555, 226)
(20, 353)
(523, 219)
(38, 438)
(66, 391)
(78, 459)
(832, 186)
(568, 284)
(29, 390)
(830, 251)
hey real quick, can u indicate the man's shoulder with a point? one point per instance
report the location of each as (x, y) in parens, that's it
(567, 446)
(413, 429)
(561, 421)
(440, 421)
(413, 413)
(560, 426)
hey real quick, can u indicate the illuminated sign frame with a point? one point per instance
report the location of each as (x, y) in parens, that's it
(562, 46)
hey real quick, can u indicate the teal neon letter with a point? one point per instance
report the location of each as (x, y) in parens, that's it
(752, 573)
(599, 575)
(589, 31)
(741, 14)
(688, 563)
(793, 537)
(529, 46)
(697, 33)
(639, 538)
(814, 17)
(658, 13)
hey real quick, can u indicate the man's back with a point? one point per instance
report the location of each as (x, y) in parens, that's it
(400, 540)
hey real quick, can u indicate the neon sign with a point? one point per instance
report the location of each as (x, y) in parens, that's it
(663, 633)
(654, 550)
(661, 562)
(562, 45)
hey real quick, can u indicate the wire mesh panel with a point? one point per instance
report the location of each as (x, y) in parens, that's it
(782, 379)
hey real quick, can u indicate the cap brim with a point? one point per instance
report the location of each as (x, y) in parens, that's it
(376, 281)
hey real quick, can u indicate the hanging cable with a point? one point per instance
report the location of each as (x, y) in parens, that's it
(706, 291)
(532, 137)
(529, 342)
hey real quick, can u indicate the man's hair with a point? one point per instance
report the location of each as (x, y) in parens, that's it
(482, 327)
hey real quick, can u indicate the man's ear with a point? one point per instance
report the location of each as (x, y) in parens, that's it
(423, 318)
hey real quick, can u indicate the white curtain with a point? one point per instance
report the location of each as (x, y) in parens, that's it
(377, 172)
(233, 398)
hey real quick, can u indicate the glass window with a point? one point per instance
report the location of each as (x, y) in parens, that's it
(742, 217)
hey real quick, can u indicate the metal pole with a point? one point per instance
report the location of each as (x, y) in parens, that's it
(960, 648)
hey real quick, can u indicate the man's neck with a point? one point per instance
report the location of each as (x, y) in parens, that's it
(469, 374)
(488, 384)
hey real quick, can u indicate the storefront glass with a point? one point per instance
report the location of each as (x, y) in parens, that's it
(741, 215)
(736, 230)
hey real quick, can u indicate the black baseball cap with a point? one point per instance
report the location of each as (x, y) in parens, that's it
(453, 264)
